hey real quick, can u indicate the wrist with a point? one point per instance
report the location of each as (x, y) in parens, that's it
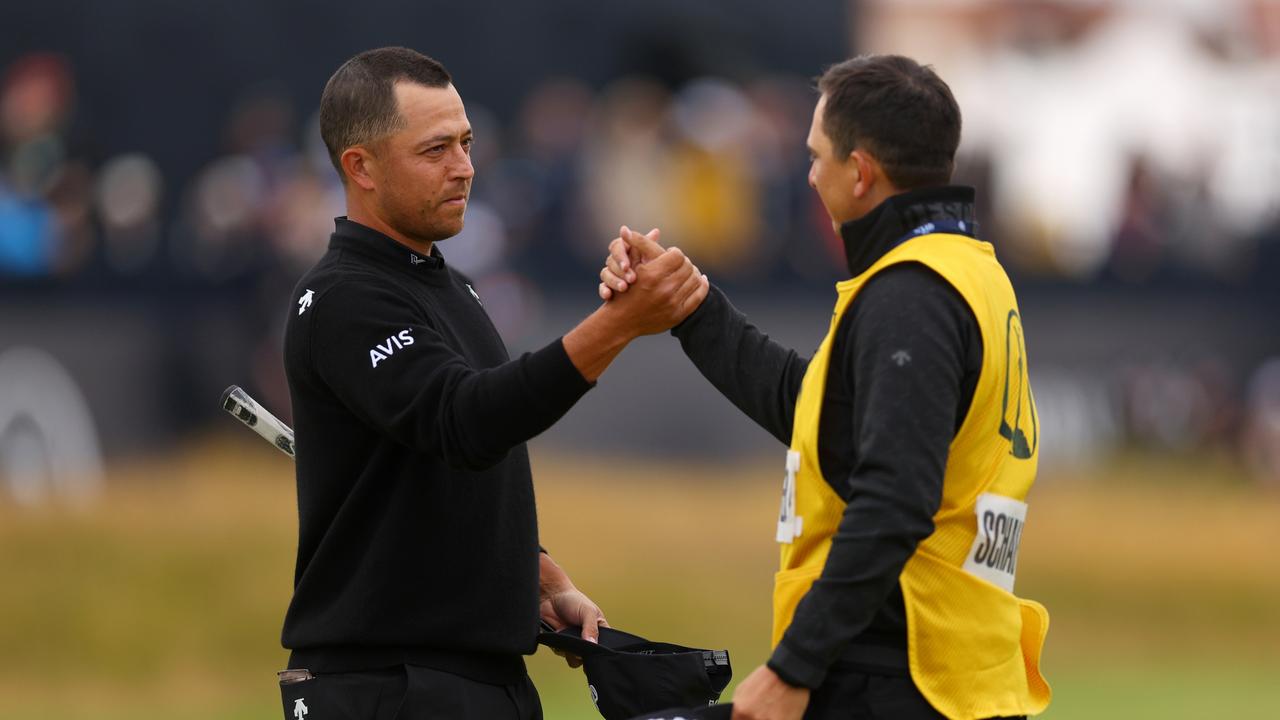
(552, 579)
(614, 324)
(597, 340)
(794, 668)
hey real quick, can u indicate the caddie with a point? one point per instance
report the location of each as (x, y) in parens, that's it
(912, 431)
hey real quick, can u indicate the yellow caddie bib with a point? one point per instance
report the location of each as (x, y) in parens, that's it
(973, 647)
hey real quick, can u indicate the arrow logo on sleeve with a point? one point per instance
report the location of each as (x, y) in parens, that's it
(304, 302)
(299, 707)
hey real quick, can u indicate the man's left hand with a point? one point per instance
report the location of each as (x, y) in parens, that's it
(563, 604)
(764, 696)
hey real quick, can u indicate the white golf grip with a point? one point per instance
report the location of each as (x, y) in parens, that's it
(247, 410)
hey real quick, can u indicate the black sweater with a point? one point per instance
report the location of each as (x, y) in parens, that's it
(417, 539)
(883, 436)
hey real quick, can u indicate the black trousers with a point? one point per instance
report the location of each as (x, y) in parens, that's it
(854, 695)
(407, 693)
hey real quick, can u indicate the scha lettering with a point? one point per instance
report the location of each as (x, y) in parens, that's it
(1001, 535)
(384, 350)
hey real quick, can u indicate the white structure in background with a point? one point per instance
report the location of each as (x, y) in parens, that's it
(1064, 95)
(48, 440)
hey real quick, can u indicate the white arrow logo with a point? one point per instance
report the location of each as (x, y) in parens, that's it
(474, 294)
(299, 708)
(304, 302)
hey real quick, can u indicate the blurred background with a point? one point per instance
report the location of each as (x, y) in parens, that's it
(163, 185)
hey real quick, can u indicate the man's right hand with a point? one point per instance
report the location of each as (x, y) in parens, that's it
(667, 288)
(665, 285)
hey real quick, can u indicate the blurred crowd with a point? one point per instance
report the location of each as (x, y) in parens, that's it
(721, 167)
(1111, 140)
(1114, 144)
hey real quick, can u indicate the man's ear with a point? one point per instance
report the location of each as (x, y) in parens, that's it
(357, 163)
(865, 172)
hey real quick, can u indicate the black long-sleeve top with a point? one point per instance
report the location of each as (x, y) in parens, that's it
(417, 538)
(884, 433)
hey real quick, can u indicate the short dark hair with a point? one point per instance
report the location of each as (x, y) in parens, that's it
(358, 104)
(897, 110)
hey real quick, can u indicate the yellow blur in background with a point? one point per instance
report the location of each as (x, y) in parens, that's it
(164, 599)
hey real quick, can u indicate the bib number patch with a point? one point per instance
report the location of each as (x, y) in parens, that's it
(789, 524)
(994, 555)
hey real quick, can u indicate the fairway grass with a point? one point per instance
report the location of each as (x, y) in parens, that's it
(164, 599)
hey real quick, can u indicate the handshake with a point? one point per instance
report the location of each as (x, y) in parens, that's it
(647, 287)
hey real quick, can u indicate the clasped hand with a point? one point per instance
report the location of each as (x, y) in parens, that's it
(658, 286)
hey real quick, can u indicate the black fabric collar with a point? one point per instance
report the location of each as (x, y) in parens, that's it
(386, 251)
(869, 237)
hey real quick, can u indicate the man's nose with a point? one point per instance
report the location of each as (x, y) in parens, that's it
(463, 168)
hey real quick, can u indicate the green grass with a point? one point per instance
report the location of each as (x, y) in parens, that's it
(164, 600)
(1100, 693)
(1181, 692)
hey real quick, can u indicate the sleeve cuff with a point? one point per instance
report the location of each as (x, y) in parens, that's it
(708, 308)
(551, 368)
(796, 668)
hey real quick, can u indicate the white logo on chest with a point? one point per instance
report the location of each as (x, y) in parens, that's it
(387, 348)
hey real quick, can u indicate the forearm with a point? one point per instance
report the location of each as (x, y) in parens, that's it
(485, 413)
(594, 344)
(759, 376)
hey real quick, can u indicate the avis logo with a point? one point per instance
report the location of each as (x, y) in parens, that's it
(399, 341)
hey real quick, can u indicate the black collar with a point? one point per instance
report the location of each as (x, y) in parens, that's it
(386, 251)
(869, 237)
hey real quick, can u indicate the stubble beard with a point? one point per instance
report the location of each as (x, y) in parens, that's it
(423, 223)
